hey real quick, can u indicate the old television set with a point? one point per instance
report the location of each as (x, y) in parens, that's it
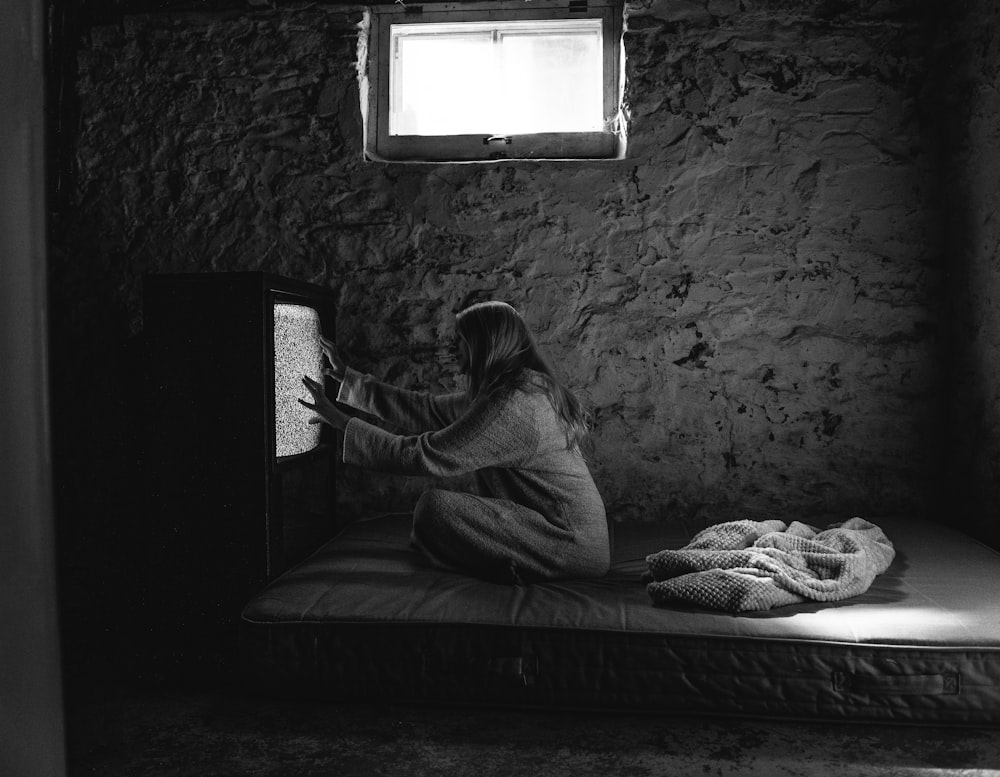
(239, 485)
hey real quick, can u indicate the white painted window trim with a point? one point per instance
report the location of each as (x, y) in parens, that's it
(608, 143)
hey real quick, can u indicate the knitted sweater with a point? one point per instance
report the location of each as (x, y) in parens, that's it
(512, 441)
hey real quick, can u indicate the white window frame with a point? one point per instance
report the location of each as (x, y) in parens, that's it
(380, 145)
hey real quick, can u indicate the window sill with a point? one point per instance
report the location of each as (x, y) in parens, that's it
(480, 148)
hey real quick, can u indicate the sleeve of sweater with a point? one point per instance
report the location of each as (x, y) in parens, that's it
(496, 432)
(412, 411)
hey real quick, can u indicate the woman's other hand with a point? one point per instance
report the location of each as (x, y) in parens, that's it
(326, 411)
(337, 367)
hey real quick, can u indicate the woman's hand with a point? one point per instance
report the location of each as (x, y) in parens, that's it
(326, 412)
(338, 367)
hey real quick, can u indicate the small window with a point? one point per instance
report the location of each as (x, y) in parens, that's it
(466, 82)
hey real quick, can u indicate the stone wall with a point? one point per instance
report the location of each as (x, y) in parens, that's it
(750, 299)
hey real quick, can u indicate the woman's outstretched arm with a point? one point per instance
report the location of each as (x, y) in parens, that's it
(411, 411)
(499, 432)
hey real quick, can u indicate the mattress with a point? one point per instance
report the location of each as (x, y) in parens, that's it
(367, 618)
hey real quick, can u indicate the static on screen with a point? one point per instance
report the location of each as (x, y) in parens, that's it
(297, 352)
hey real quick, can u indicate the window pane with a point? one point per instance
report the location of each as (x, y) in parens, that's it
(433, 74)
(496, 78)
(552, 83)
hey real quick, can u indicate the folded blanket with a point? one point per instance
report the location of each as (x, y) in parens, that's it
(756, 565)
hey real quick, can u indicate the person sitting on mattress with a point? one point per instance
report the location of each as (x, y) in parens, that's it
(537, 514)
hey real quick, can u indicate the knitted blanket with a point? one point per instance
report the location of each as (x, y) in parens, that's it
(757, 565)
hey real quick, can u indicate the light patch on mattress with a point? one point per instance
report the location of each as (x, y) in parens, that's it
(937, 625)
(932, 771)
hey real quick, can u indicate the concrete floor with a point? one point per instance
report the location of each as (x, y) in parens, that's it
(175, 735)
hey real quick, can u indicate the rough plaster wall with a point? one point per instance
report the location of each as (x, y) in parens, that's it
(746, 299)
(972, 138)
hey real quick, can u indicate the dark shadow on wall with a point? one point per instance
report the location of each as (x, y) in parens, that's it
(96, 371)
(966, 58)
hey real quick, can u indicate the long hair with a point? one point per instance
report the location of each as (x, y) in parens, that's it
(500, 348)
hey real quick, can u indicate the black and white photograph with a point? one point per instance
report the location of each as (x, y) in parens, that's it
(500, 388)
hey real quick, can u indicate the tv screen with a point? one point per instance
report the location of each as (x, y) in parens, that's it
(297, 352)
